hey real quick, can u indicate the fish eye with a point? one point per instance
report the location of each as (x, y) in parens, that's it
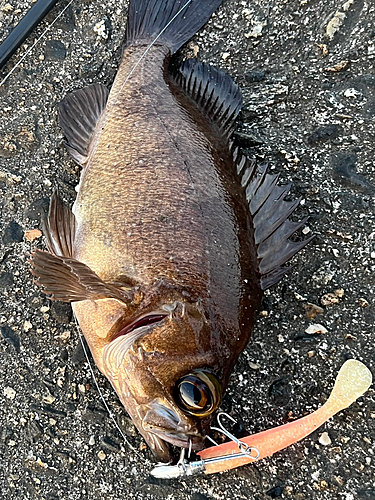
(198, 393)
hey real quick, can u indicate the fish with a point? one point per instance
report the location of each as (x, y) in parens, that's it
(174, 234)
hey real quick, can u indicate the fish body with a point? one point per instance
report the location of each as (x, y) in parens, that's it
(160, 203)
(163, 258)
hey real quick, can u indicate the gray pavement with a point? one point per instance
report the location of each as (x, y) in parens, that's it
(307, 73)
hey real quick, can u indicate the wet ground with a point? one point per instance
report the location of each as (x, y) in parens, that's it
(307, 73)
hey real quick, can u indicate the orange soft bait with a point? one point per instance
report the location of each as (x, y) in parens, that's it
(352, 381)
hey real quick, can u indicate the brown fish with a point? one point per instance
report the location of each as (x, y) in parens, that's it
(174, 234)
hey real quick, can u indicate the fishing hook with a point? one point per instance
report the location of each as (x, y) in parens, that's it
(244, 448)
(185, 468)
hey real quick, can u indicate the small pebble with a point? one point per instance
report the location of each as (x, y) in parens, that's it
(55, 50)
(27, 326)
(323, 47)
(312, 310)
(6, 280)
(13, 233)
(363, 302)
(328, 299)
(49, 399)
(324, 439)
(337, 67)
(61, 312)
(101, 455)
(334, 24)
(64, 336)
(255, 76)
(101, 30)
(42, 464)
(33, 234)
(254, 366)
(9, 393)
(316, 329)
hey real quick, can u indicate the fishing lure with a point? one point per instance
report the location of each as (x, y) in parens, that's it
(352, 381)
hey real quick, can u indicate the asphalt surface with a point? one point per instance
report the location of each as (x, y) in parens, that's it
(307, 73)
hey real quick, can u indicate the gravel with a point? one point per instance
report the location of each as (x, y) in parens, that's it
(307, 73)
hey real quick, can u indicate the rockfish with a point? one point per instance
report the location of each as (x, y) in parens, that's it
(174, 233)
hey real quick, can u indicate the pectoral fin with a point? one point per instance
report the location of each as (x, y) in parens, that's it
(68, 280)
(60, 275)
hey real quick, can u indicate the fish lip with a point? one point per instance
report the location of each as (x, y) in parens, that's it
(148, 319)
(180, 439)
(159, 447)
(161, 420)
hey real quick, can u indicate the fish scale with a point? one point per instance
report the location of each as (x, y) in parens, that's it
(186, 188)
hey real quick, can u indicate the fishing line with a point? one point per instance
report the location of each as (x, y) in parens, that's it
(148, 48)
(126, 441)
(147, 51)
(36, 41)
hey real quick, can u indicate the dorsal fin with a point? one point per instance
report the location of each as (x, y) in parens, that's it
(79, 114)
(214, 92)
(59, 228)
(270, 218)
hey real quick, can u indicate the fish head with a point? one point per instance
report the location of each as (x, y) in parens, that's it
(167, 374)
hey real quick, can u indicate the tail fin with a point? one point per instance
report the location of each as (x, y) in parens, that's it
(176, 21)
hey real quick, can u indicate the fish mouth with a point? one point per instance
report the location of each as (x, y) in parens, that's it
(145, 320)
(195, 441)
(167, 425)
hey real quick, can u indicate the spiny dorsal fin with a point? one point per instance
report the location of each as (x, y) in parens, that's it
(270, 218)
(214, 92)
(59, 228)
(79, 114)
(69, 280)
